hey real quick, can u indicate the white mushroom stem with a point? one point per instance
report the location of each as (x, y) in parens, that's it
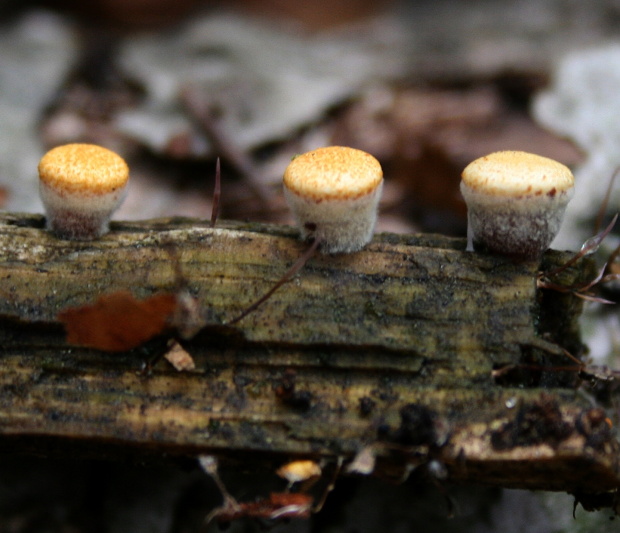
(341, 225)
(334, 194)
(522, 227)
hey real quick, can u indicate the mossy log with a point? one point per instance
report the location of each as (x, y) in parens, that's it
(413, 349)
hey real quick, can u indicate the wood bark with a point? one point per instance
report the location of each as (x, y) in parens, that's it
(413, 349)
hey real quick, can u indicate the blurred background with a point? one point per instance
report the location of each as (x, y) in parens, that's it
(425, 86)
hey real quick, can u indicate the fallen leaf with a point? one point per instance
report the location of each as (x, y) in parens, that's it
(279, 505)
(118, 322)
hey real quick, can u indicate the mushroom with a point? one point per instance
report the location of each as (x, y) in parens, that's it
(80, 186)
(515, 202)
(297, 471)
(333, 193)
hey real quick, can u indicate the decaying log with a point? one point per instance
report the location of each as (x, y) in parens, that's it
(413, 350)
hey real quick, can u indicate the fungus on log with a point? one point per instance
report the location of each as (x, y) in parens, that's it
(411, 348)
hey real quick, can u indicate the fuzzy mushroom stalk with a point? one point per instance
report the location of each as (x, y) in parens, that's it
(334, 193)
(515, 202)
(81, 185)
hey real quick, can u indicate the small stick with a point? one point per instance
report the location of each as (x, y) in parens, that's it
(209, 465)
(297, 266)
(588, 247)
(217, 192)
(332, 483)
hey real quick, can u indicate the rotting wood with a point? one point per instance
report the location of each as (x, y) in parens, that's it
(392, 348)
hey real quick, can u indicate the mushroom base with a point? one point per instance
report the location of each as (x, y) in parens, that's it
(79, 217)
(77, 226)
(343, 226)
(521, 229)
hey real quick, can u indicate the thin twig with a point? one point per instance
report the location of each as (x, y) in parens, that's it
(588, 247)
(580, 290)
(297, 266)
(332, 483)
(217, 192)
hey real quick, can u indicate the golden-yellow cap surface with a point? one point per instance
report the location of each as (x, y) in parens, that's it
(514, 173)
(333, 173)
(299, 470)
(83, 169)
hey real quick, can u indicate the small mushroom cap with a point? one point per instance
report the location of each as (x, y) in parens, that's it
(333, 173)
(515, 174)
(83, 170)
(299, 471)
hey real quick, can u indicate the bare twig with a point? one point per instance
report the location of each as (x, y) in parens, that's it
(297, 266)
(588, 247)
(217, 192)
(580, 290)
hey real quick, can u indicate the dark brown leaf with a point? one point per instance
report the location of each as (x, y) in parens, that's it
(118, 322)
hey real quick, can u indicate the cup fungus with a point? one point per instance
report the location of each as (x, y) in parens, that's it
(333, 193)
(515, 202)
(80, 186)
